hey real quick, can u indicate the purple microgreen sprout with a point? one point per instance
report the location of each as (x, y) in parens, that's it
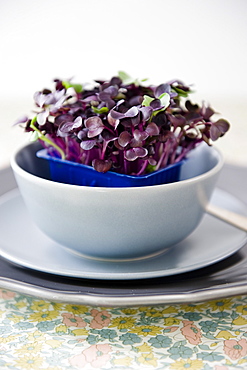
(44, 138)
(121, 125)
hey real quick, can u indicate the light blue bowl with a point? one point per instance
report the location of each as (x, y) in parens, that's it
(117, 223)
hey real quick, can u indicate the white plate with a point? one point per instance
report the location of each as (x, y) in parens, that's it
(22, 243)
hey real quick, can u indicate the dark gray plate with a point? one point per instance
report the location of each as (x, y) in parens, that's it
(221, 279)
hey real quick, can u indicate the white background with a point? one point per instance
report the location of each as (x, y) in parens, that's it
(204, 43)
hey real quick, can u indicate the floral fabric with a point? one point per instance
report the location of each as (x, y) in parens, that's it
(37, 334)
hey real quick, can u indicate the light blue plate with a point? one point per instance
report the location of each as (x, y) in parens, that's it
(24, 244)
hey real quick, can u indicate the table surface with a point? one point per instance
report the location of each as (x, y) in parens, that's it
(39, 334)
(42, 334)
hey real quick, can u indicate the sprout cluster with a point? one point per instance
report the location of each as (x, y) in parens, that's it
(121, 125)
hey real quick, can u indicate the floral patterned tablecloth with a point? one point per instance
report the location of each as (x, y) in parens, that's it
(38, 334)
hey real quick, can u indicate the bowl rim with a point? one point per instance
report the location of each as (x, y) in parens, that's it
(29, 176)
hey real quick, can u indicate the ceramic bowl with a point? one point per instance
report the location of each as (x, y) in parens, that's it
(117, 223)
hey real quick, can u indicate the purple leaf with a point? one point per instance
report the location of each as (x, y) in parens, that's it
(40, 99)
(177, 120)
(152, 161)
(115, 81)
(107, 96)
(77, 122)
(127, 122)
(41, 117)
(65, 129)
(90, 98)
(22, 119)
(115, 115)
(132, 112)
(207, 112)
(152, 129)
(104, 96)
(108, 136)
(218, 129)
(155, 104)
(82, 134)
(113, 122)
(124, 138)
(146, 112)
(63, 118)
(95, 126)
(191, 107)
(102, 165)
(55, 99)
(161, 89)
(135, 100)
(134, 153)
(139, 137)
(111, 90)
(58, 104)
(67, 126)
(135, 120)
(87, 144)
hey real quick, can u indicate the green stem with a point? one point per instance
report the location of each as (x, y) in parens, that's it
(45, 139)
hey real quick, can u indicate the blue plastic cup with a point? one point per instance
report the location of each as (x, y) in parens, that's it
(79, 174)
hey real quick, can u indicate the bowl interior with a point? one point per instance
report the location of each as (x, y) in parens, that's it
(200, 160)
(27, 160)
